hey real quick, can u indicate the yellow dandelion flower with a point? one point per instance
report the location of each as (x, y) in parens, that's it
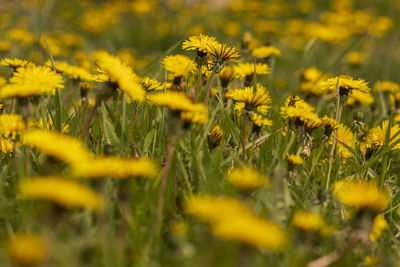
(387, 86)
(20, 35)
(73, 72)
(253, 231)
(121, 74)
(212, 209)
(16, 63)
(259, 120)
(346, 84)
(361, 195)
(61, 191)
(330, 124)
(346, 136)
(395, 99)
(379, 225)
(295, 160)
(311, 74)
(201, 43)
(355, 58)
(246, 178)
(178, 65)
(32, 81)
(295, 102)
(226, 75)
(308, 221)
(150, 84)
(223, 53)
(99, 167)
(215, 136)
(49, 125)
(197, 114)
(361, 98)
(6, 146)
(245, 70)
(251, 100)
(60, 146)
(11, 124)
(265, 51)
(26, 249)
(376, 137)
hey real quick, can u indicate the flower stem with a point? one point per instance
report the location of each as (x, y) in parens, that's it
(244, 138)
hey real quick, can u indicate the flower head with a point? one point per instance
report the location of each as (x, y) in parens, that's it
(245, 70)
(16, 63)
(345, 83)
(251, 99)
(29, 81)
(61, 191)
(215, 136)
(246, 178)
(73, 72)
(308, 221)
(346, 136)
(379, 225)
(265, 51)
(178, 65)
(26, 249)
(361, 195)
(295, 160)
(201, 43)
(376, 137)
(222, 52)
(387, 86)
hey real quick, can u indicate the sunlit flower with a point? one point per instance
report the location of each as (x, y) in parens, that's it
(295, 160)
(379, 225)
(60, 146)
(359, 97)
(151, 84)
(259, 120)
(16, 63)
(201, 43)
(346, 85)
(178, 65)
(387, 86)
(246, 178)
(346, 136)
(376, 137)
(265, 51)
(61, 191)
(26, 250)
(32, 81)
(247, 70)
(361, 195)
(99, 167)
(119, 73)
(308, 221)
(251, 100)
(223, 53)
(73, 72)
(197, 114)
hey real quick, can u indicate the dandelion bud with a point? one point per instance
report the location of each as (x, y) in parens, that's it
(214, 138)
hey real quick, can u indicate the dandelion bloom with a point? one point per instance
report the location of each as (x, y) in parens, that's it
(362, 98)
(74, 72)
(61, 191)
(361, 195)
(60, 146)
(265, 51)
(11, 124)
(223, 53)
(150, 84)
(346, 85)
(295, 160)
(37, 80)
(201, 43)
(215, 136)
(376, 137)
(116, 167)
(259, 120)
(197, 114)
(26, 249)
(179, 65)
(250, 99)
(387, 86)
(246, 178)
(16, 63)
(226, 75)
(308, 221)
(346, 136)
(120, 74)
(379, 225)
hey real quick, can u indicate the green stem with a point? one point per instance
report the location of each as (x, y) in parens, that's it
(244, 138)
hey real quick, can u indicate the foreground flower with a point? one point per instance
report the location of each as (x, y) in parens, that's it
(32, 81)
(120, 75)
(26, 250)
(62, 147)
(74, 72)
(64, 192)
(116, 167)
(361, 195)
(197, 114)
(246, 178)
(346, 85)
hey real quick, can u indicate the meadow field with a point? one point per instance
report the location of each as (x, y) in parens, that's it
(199, 133)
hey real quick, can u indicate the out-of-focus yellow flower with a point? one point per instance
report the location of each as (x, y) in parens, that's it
(99, 167)
(358, 97)
(247, 70)
(379, 225)
(20, 35)
(197, 114)
(346, 136)
(62, 147)
(295, 160)
(49, 125)
(215, 136)
(355, 58)
(259, 120)
(387, 86)
(141, 7)
(11, 124)
(232, 28)
(73, 72)
(251, 99)
(178, 65)
(121, 74)
(361, 195)
(246, 178)
(26, 250)
(265, 51)
(173, 100)
(308, 221)
(61, 191)
(32, 81)
(226, 75)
